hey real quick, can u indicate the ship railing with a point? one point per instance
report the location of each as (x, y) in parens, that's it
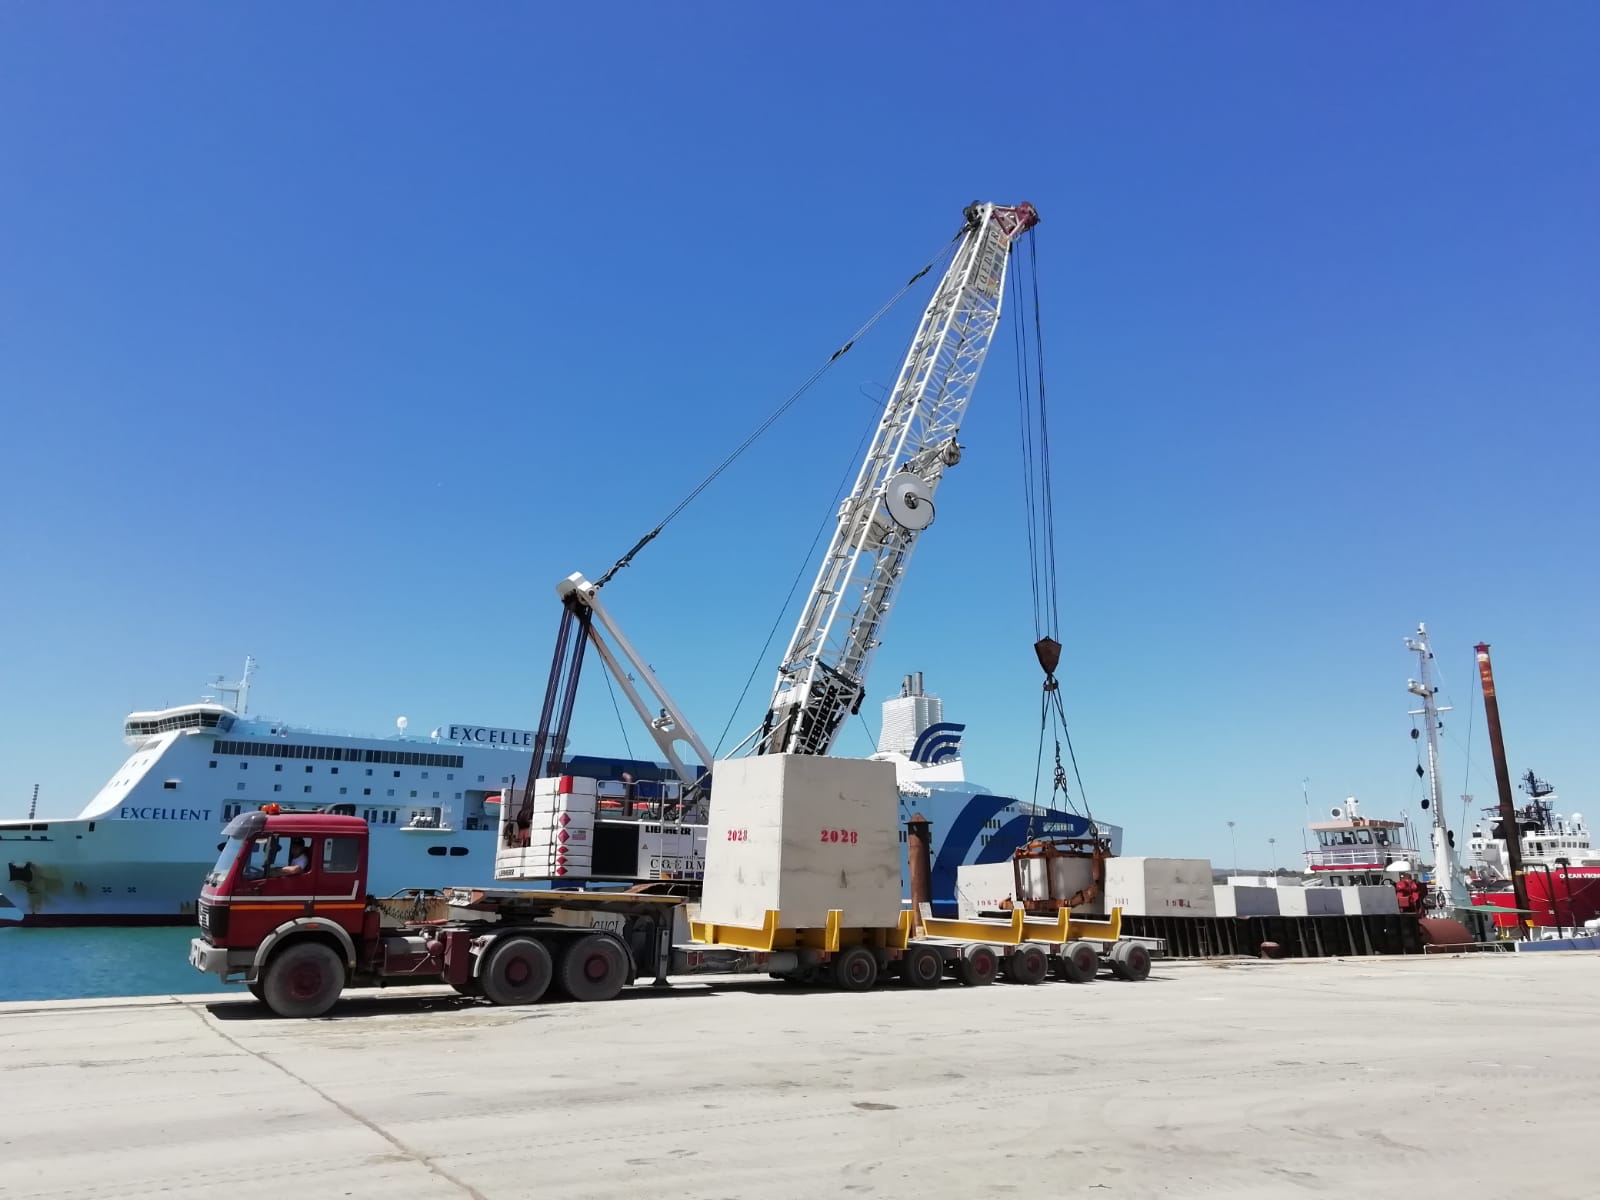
(1356, 856)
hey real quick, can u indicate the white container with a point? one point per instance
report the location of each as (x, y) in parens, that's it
(983, 889)
(1370, 900)
(1310, 902)
(1160, 887)
(803, 834)
(1243, 900)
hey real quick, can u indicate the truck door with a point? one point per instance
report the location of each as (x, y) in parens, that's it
(264, 888)
(340, 893)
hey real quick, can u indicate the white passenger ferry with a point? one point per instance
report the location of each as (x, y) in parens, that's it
(137, 852)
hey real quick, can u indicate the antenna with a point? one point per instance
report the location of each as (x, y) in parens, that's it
(1305, 798)
(240, 691)
(1448, 891)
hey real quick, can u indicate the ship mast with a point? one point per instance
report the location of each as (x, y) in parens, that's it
(1510, 829)
(1449, 890)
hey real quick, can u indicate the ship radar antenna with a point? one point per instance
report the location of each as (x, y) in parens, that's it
(235, 695)
(1536, 788)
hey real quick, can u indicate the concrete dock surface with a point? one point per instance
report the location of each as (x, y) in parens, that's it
(1416, 1076)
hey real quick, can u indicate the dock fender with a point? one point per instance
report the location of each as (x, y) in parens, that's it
(301, 925)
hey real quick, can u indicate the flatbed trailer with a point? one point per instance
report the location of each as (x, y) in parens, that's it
(298, 941)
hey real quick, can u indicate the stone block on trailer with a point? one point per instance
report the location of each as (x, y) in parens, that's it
(803, 834)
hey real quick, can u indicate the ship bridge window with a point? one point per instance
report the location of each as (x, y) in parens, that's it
(189, 720)
(1364, 836)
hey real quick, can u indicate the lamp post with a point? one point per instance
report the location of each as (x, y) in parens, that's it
(1272, 853)
(1232, 838)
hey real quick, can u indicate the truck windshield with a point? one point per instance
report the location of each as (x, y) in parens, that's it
(230, 855)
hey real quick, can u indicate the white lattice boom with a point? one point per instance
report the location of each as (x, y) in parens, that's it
(823, 675)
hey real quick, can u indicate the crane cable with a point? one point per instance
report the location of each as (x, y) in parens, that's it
(771, 419)
(1039, 502)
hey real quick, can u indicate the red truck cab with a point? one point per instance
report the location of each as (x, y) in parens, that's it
(255, 899)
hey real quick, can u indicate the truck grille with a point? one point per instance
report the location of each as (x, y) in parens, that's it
(213, 919)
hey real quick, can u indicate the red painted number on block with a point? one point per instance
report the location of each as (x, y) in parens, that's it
(840, 835)
(738, 835)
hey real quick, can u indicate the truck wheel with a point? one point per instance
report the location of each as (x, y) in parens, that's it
(302, 980)
(1131, 961)
(593, 968)
(256, 990)
(855, 970)
(518, 971)
(470, 987)
(1028, 964)
(978, 966)
(1079, 962)
(922, 967)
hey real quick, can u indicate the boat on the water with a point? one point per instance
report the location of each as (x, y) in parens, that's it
(137, 852)
(1560, 866)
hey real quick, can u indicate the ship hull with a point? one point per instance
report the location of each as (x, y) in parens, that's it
(131, 872)
(1565, 898)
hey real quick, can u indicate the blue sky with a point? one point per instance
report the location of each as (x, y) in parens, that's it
(337, 335)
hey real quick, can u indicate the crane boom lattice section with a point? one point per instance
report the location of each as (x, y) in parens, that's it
(823, 674)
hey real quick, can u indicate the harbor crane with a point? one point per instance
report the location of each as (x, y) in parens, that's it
(821, 680)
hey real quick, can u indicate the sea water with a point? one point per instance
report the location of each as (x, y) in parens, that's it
(70, 964)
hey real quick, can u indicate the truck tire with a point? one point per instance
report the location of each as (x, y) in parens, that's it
(302, 980)
(922, 967)
(1130, 961)
(517, 971)
(1028, 965)
(595, 967)
(256, 990)
(855, 969)
(978, 966)
(1079, 962)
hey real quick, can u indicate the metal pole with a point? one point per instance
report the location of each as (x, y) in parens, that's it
(1502, 779)
(1234, 839)
(919, 863)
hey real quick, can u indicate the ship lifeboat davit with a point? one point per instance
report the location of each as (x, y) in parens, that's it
(1444, 931)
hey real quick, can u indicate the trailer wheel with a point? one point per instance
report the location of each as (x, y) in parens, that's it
(922, 967)
(978, 966)
(855, 970)
(593, 968)
(1130, 961)
(518, 971)
(1079, 962)
(1027, 964)
(302, 980)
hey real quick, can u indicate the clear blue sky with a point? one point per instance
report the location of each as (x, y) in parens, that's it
(337, 335)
